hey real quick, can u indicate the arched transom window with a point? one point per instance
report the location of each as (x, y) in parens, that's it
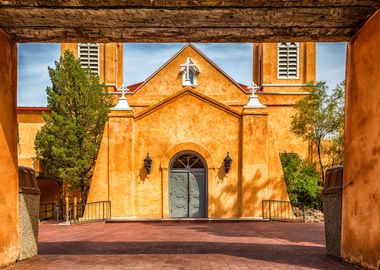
(187, 161)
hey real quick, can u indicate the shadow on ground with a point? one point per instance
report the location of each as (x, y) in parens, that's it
(290, 231)
(297, 255)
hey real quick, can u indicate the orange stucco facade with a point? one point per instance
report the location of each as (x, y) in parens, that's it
(29, 122)
(110, 64)
(361, 200)
(360, 232)
(280, 94)
(9, 216)
(208, 119)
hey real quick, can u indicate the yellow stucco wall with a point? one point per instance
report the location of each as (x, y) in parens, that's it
(110, 61)
(280, 100)
(280, 95)
(9, 214)
(267, 73)
(29, 122)
(168, 81)
(280, 119)
(361, 184)
(208, 119)
(174, 123)
(208, 128)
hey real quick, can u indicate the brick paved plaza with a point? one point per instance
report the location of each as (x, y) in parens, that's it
(245, 245)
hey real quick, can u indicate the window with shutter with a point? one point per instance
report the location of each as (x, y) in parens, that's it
(88, 54)
(288, 60)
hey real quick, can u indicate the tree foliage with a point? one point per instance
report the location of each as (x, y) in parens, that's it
(319, 118)
(68, 144)
(335, 148)
(302, 180)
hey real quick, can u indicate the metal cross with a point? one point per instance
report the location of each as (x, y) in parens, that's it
(187, 67)
(254, 88)
(123, 90)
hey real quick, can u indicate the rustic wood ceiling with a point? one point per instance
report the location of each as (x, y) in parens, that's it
(184, 20)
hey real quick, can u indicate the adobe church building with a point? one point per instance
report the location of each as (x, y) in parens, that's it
(212, 144)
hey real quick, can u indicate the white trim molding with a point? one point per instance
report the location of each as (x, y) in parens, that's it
(283, 93)
(284, 84)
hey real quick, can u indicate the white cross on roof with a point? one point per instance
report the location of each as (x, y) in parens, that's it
(254, 87)
(186, 67)
(123, 90)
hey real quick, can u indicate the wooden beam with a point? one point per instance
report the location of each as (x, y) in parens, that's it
(187, 3)
(184, 20)
(215, 34)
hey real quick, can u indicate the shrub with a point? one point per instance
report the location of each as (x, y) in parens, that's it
(302, 180)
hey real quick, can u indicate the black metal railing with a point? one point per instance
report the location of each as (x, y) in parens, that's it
(47, 211)
(90, 212)
(283, 210)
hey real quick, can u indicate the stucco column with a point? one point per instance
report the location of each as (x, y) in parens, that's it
(9, 229)
(254, 168)
(121, 179)
(361, 183)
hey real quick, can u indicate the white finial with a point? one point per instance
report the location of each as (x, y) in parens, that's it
(254, 87)
(123, 90)
(253, 101)
(122, 104)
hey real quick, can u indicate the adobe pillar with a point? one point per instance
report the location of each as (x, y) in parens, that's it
(255, 156)
(120, 143)
(9, 229)
(361, 183)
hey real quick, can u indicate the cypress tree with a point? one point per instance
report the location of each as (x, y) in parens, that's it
(68, 144)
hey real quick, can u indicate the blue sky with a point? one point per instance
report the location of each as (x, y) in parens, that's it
(141, 60)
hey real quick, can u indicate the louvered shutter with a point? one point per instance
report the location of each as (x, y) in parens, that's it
(288, 55)
(88, 54)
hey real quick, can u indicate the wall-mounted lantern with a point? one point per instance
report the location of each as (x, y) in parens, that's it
(227, 162)
(147, 163)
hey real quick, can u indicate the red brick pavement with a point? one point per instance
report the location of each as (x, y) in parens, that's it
(246, 245)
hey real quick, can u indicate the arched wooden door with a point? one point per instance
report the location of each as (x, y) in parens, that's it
(188, 186)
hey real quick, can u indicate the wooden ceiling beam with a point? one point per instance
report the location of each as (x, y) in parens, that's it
(184, 20)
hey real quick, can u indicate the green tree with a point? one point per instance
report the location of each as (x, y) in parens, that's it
(319, 117)
(335, 148)
(302, 180)
(68, 144)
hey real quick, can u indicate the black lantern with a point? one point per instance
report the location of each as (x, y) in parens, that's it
(147, 163)
(227, 162)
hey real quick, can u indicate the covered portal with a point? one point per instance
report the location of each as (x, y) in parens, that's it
(213, 21)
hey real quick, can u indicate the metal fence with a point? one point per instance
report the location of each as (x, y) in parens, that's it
(90, 212)
(283, 211)
(47, 211)
(77, 213)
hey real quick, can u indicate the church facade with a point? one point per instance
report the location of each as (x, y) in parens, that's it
(189, 141)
